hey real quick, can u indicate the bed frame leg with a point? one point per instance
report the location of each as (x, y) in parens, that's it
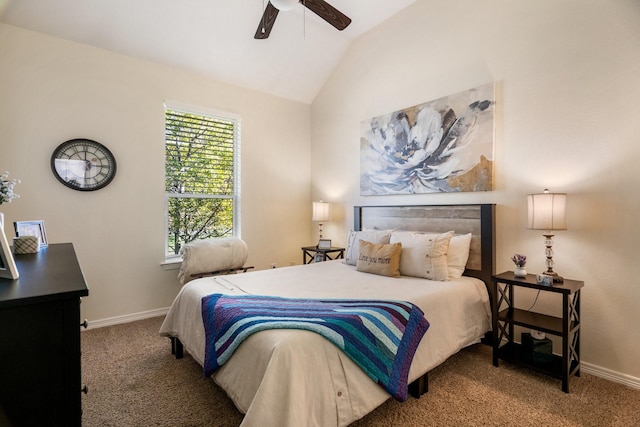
(176, 348)
(419, 386)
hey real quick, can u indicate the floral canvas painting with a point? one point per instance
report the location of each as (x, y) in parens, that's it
(444, 145)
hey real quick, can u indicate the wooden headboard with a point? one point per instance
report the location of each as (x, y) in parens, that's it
(479, 220)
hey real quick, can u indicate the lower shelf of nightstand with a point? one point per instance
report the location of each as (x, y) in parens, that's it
(514, 353)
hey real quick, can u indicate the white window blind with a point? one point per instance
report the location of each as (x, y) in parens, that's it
(201, 177)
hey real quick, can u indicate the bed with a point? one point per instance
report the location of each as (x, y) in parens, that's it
(284, 377)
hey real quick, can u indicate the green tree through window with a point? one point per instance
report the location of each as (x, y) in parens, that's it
(200, 177)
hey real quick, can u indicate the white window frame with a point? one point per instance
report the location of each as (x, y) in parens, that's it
(236, 199)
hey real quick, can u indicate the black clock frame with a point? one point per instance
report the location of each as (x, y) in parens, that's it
(70, 184)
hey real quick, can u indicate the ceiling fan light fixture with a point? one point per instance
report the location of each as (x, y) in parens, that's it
(284, 5)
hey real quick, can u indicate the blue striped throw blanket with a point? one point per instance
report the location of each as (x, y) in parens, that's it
(381, 337)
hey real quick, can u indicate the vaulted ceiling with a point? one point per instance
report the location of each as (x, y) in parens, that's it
(211, 37)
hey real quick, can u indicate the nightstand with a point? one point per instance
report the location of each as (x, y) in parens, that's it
(506, 317)
(312, 253)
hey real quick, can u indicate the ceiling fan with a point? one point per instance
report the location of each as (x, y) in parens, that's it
(320, 7)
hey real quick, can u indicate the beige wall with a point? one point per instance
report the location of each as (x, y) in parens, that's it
(567, 111)
(52, 90)
(567, 119)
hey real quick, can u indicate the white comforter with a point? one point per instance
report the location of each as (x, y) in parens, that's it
(297, 378)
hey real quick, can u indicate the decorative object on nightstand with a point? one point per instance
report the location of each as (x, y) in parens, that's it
(321, 213)
(537, 334)
(532, 352)
(324, 244)
(546, 211)
(536, 349)
(543, 279)
(520, 261)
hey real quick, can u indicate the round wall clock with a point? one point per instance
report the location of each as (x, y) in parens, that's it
(83, 164)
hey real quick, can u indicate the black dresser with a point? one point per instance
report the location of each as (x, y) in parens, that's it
(40, 365)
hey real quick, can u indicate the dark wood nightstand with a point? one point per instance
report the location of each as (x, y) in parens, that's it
(312, 253)
(506, 316)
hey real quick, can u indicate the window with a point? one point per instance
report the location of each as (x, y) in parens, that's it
(201, 177)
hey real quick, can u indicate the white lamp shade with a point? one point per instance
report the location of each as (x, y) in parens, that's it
(284, 4)
(321, 211)
(547, 211)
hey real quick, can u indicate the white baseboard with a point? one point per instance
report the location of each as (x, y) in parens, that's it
(610, 375)
(127, 318)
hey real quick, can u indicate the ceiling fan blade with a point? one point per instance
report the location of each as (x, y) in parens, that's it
(266, 22)
(329, 13)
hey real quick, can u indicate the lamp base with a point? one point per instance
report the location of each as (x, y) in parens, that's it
(554, 276)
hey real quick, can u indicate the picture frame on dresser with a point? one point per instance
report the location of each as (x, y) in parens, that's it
(8, 269)
(32, 228)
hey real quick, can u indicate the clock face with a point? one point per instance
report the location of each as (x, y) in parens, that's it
(83, 164)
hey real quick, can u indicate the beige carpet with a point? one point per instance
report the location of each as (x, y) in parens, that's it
(134, 381)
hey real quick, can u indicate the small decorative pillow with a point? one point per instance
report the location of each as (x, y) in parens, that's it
(458, 255)
(381, 259)
(353, 248)
(423, 254)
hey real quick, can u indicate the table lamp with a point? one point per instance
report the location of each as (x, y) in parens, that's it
(321, 213)
(547, 212)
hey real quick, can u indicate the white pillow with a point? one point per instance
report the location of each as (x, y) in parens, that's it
(209, 255)
(423, 254)
(458, 255)
(353, 245)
